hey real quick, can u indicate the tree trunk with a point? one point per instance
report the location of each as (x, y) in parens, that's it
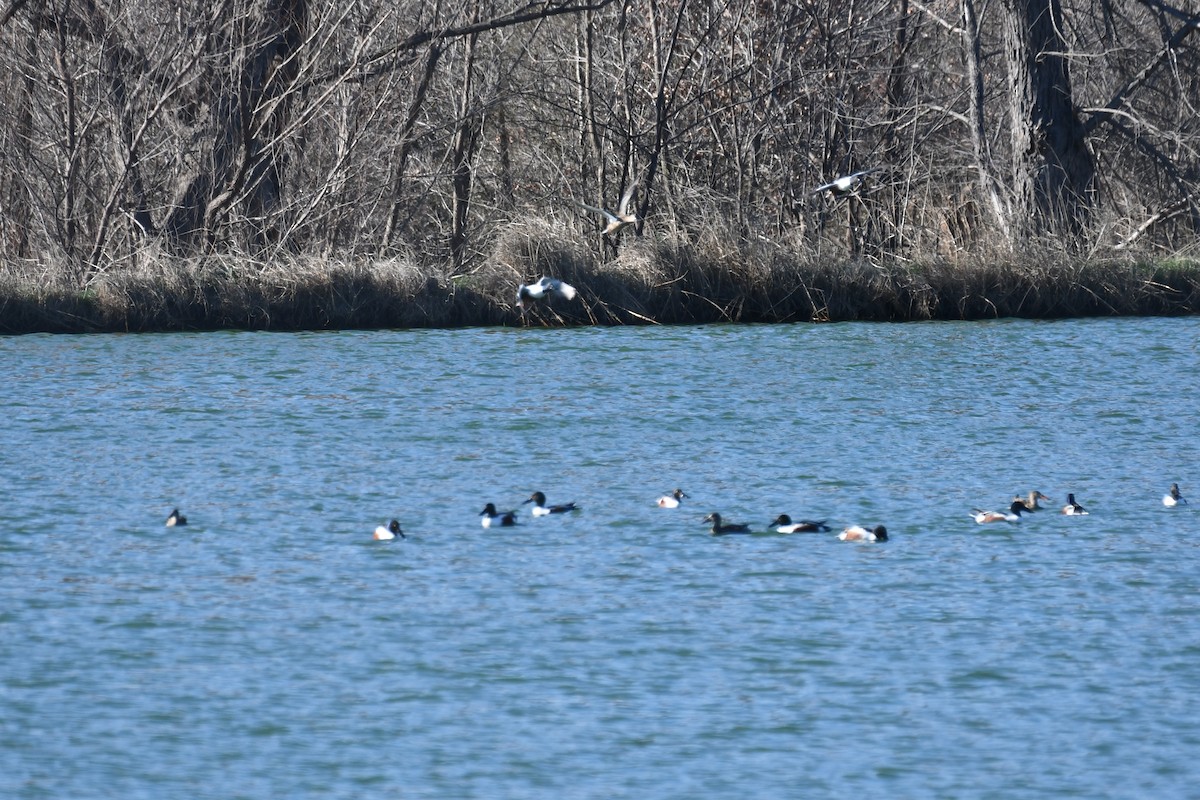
(248, 164)
(1053, 174)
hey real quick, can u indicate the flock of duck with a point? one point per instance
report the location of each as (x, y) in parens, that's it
(491, 518)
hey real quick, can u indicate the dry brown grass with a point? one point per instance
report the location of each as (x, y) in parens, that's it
(708, 277)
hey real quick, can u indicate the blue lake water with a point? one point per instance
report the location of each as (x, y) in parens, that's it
(271, 649)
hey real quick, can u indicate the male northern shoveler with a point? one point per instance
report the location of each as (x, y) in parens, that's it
(490, 516)
(857, 533)
(1073, 509)
(392, 530)
(540, 509)
(1012, 515)
(1173, 498)
(783, 524)
(1031, 502)
(719, 529)
(671, 500)
(176, 519)
(543, 288)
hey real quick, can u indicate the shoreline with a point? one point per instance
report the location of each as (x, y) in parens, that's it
(641, 287)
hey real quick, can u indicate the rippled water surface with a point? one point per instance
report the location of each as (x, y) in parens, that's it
(271, 649)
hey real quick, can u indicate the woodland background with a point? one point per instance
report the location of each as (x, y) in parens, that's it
(437, 133)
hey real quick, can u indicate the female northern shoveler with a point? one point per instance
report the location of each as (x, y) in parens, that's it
(540, 509)
(1031, 502)
(1073, 509)
(1012, 515)
(671, 500)
(383, 534)
(719, 529)
(490, 516)
(857, 533)
(783, 524)
(1173, 498)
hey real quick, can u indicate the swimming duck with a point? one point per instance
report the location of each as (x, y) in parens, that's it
(857, 533)
(540, 509)
(176, 519)
(622, 219)
(1073, 509)
(1012, 515)
(720, 530)
(846, 183)
(1173, 498)
(542, 288)
(383, 534)
(490, 516)
(1031, 502)
(783, 524)
(671, 500)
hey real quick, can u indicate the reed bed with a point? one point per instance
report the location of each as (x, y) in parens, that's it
(668, 280)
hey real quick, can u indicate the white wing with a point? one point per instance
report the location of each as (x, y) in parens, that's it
(608, 215)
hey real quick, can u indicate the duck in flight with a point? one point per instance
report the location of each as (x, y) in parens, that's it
(543, 288)
(846, 183)
(622, 219)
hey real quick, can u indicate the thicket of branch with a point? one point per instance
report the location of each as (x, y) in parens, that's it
(413, 131)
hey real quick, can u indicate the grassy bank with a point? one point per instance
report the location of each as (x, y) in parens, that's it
(648, 282)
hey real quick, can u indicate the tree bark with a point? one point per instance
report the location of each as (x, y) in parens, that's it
(1053, 172)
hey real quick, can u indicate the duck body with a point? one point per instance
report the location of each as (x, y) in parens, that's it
(542, 288)
(1173, 498)
(491, 518)
(1030, 502)
(176, 519)
(386, 534)
(720, 529)
(671, 500)
(858, 533)
(1073, 509)
(783, 524)
(622, 219)
(1012, 515)
(845, 183)
(540, 509)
